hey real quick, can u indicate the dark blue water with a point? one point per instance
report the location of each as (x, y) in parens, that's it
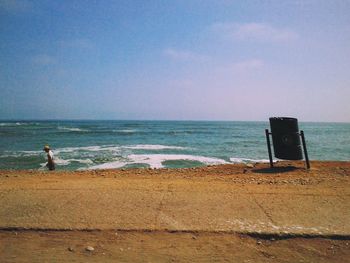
(115, 144)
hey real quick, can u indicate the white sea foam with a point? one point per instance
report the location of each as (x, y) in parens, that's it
(156, 160)
(59, 161)
(125, 131)
(83, 161)
(70, 150)
(31, 152)
(19, 153)
(13, 123)
(6, 124)
(74, 149)
(95, 148)
(113, 148)
(42, 166)
(152, 147)
(72, 129)
(246, 160)
(64, 162)
(110, 165)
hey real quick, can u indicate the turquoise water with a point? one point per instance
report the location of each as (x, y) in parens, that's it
(156, 144)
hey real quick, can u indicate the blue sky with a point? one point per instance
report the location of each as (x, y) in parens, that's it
(177, 60)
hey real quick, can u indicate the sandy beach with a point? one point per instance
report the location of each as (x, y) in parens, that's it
(225, 213)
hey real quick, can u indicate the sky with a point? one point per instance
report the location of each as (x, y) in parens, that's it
(175, 60)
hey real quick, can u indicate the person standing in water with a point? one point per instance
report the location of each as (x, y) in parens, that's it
(50, 162)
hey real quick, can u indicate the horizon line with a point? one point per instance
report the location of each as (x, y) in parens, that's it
(161, 120)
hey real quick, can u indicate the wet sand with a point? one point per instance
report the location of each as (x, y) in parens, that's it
(226, 213)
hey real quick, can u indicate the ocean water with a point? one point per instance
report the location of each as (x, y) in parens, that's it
(80, 145)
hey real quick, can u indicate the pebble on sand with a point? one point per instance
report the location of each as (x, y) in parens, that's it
(89, 248)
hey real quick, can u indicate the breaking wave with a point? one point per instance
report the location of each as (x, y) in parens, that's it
(153, 147)
(114, 148)
(72, 129)
(157, 160)
(125, 131)
(3, 124)
(246, 160)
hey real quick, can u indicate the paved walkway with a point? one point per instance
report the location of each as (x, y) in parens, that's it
(173, 204)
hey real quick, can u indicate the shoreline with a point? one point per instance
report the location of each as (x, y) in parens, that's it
(278, 163)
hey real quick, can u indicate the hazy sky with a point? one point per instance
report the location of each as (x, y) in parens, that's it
(175, 59)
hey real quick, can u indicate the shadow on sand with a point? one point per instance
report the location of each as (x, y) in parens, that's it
(273, 170)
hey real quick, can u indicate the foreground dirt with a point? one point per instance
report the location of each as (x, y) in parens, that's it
(228, 213)
(160, 246)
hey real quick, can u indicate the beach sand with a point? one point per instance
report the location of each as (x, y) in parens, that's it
(226, 213)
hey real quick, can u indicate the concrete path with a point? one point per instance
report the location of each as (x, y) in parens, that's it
(178, 204)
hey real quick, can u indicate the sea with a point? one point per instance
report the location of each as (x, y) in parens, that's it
(85, 145)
